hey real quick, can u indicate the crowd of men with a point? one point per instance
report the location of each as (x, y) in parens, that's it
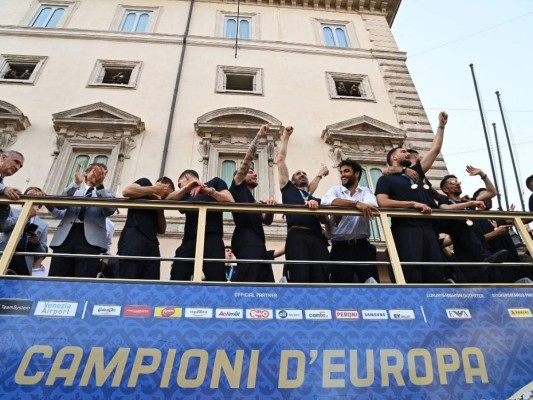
(88, 230)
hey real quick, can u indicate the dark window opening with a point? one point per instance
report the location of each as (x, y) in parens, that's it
(117, 76)
(347, 88)
(21, 71)
(240, 82)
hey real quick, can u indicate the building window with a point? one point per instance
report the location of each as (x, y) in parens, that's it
(49, 13)
(115, 73)
(335, 35)
(20, 69)
(349, 86)
(48, 16)
(136, 21)
(239, 80)
(244, 27)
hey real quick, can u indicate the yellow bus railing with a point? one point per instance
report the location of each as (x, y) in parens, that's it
(27, 202)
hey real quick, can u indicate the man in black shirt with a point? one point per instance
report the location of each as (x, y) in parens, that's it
(305, 240)
(248, 241)
(139, 236)
(529, 184)
(415, 238)
(192, 189)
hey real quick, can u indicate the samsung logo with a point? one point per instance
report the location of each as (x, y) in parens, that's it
(375, 314)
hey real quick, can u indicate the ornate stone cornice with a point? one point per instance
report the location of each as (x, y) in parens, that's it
(12, 121)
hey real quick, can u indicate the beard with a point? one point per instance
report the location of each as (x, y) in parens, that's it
(405, 163)
(349, 182)
(252, 185)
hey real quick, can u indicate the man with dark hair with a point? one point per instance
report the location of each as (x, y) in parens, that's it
(33, 239)
(248, 241)
(529, 184)
(82, 230)
(192, 189)
(350, 233)
(305, 240)
(415, 238)
(139, 236)
(10, 162)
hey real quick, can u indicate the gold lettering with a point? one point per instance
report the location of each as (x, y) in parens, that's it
(252, 369)
(165, 379)
(283, 381)
(139, 368)
(185, 382)
(354, 368)
(20, 376)
(69, 373)
(233, 374)
(470, 371)
(394, 369)
(96, 362)
(445, 367)
(329, 368)
(428, 367)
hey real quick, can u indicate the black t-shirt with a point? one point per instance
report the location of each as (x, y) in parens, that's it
(244, 221)
(214, 220)
(290, 194)
(398, 187)
(531, 203)
(145, 220)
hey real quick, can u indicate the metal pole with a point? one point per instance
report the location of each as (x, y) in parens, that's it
(504, 186)
(237, 30)
(511, 152)
(498, 196)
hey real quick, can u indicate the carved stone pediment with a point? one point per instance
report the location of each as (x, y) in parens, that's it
(12, 121)
(363, 138)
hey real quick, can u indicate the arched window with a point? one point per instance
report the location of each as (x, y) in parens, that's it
(48, 17)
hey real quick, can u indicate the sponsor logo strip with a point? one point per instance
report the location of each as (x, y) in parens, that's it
(349, 315)
(458, 313)
(229, 313)
(259, 313)
(104, 310)
(375, 314)
(137, 311)
(318, 314)
(519, 312)
(167, 312)
(15, 306)
(56, 309)
(401, 314)
(197, 312)
(289, 314)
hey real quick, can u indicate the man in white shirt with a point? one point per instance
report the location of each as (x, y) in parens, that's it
(350, 233)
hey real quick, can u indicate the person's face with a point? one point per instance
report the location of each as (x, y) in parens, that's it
(299, 178)
(251, 178)
(229, 254)
(184, 180)
(453, 186)
(95, 176)
(348, 176)
(11, 164)
(402, 156)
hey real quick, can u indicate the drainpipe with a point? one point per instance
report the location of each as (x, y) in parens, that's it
(175, 94)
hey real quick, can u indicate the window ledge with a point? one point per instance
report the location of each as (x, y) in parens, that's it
(110, 85)
(239, 92)
(17, 81)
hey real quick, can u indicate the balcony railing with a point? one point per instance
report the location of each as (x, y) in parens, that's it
(27, 202)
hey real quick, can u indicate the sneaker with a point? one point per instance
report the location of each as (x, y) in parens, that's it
(11, 272)
(100, 275)
(498, 257)
(371, 280)
(524, 280)
(450, 281)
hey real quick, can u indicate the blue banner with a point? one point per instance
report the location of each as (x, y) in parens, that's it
(115, 340)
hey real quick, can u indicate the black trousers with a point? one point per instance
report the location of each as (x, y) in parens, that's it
(419, 243)
(249, 246)
(213, 248)
(304, 244)
(361, 250)
(75, 243)
(18, 265)
(133, 243)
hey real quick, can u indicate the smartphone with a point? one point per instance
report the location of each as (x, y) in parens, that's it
(31, 227)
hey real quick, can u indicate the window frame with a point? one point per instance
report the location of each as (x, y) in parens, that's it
(7, 59)
(120, 15)
(224, 70)
(240, 18)
(32, 14)
(348, 27)
(98, 73)
(364, 86)
(334, 28)
(222, 16)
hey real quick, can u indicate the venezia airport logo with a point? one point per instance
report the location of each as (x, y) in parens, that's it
(401, 314)
(375, 314)
(519, 312)
(349, 315)
(104, 310)
(197, 312)
(289, 314)
(229, 313)
(318, 314)
(56, 309)
(458, 313)
(259, 313)
(15, 306)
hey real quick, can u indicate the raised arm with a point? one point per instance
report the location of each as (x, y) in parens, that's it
(283, 171)
(313, 185)
(240, 176)
(491, 190)
(436, 145)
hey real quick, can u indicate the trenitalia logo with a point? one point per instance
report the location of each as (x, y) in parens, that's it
(137, 311)
(375, 314)
(401, 314)
(519, 312)
(458, 313)
(15, 307)
(61, 309)
(318, 314)
(102, 310)
(229, 313)
(289, 314)
(167, 312)
(347, 314)
(258, 313)
(196, 312)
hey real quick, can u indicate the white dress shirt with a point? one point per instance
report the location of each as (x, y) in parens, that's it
(350, 227)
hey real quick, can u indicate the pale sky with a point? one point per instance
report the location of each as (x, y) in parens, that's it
(496, 37)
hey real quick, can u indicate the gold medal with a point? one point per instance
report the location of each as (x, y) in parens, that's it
(469, 222)
(414, 186)
(426, 186)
